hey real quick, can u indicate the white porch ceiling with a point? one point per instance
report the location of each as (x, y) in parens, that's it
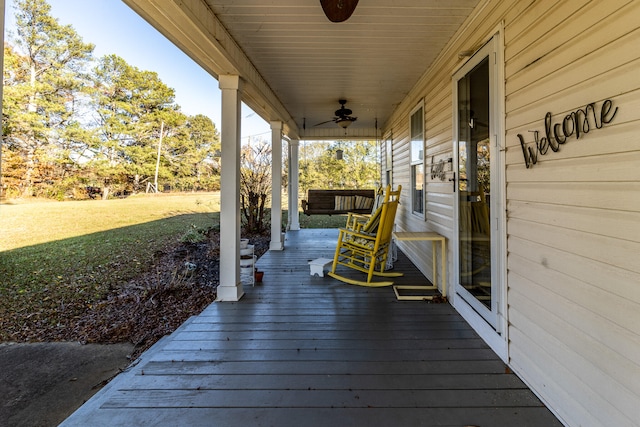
(296, 64)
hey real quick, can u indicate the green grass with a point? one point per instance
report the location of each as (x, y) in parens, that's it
(29, 224)
(64, 244)
(65, 256)
(322, 221)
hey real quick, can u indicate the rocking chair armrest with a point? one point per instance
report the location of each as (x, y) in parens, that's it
(355, 221)
(356, 215)
(356, 233)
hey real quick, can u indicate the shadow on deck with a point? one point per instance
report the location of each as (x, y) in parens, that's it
(299, 350)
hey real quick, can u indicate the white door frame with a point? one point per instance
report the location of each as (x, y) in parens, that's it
(493, 331)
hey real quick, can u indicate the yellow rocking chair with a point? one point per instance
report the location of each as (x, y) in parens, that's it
(365, 245)
(355, 221)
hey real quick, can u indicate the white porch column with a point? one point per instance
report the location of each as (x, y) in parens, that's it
(276, 187)
(230, 287)
(294, 178)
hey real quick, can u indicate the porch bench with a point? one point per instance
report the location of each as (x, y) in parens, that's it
(323, 202)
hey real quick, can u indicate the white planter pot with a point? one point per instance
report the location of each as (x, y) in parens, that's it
(247, 262)
(246, 271)
(246, 251)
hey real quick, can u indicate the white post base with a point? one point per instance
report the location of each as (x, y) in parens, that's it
(276, 246)
(229, 293)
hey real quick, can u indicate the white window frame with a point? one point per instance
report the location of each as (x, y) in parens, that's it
(416, 160)
(388, 160)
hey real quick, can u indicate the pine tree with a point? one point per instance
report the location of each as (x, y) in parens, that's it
(130, 106)
(44, 86)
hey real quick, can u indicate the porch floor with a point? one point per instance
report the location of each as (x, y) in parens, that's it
(301, 350)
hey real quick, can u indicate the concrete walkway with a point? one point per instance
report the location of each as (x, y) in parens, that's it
(41, 384)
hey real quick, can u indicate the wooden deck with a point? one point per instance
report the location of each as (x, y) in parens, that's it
(299, 350)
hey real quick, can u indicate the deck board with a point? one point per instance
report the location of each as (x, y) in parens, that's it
(292, 381)
(307, 397)
(307, 350)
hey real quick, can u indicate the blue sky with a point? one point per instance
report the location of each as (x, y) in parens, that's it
(116, 29)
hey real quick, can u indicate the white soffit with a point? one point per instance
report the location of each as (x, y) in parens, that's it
(297, 64)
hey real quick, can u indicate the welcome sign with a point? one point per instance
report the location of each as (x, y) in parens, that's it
(576, 123)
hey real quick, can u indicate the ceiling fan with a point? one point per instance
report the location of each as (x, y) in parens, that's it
(343, 116)
(338, 10)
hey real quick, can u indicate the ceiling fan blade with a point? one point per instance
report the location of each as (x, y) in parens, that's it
(338, 10)
(322, 123)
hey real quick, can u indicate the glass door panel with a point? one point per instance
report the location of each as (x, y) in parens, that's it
(475, 272)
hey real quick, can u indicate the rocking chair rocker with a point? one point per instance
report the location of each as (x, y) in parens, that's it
(364, 246)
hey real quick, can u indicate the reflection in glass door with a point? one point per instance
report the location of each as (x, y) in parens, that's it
(476, 274)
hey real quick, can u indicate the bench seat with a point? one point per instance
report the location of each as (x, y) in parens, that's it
(322, 202)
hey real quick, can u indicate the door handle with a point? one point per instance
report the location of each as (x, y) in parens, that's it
(454, 181)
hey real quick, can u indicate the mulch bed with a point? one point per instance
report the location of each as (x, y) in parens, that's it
(180, 284)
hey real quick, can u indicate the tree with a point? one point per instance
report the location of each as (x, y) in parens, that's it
(191, 155)
(361, 164)
(67, 127)
(44, 85)
(319, 167)
(312, 173)
(205, 136)
(255, 185)
(130, 107)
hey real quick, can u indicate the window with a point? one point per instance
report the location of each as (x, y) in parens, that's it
(417, 160)
(388, 159)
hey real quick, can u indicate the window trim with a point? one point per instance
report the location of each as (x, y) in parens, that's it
(388, 159)
(417, 162)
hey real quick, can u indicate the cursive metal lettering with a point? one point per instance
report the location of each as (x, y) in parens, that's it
(578, 123)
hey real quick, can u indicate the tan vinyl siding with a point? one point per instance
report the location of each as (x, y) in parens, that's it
(401, 169)
(573, 219)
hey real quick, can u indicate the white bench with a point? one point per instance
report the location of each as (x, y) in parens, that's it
(317, 266)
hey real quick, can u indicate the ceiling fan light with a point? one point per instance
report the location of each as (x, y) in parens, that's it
(344, 123)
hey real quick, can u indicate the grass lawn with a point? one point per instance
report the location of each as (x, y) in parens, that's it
(322, 221)
(32, 223)
(65, 257)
